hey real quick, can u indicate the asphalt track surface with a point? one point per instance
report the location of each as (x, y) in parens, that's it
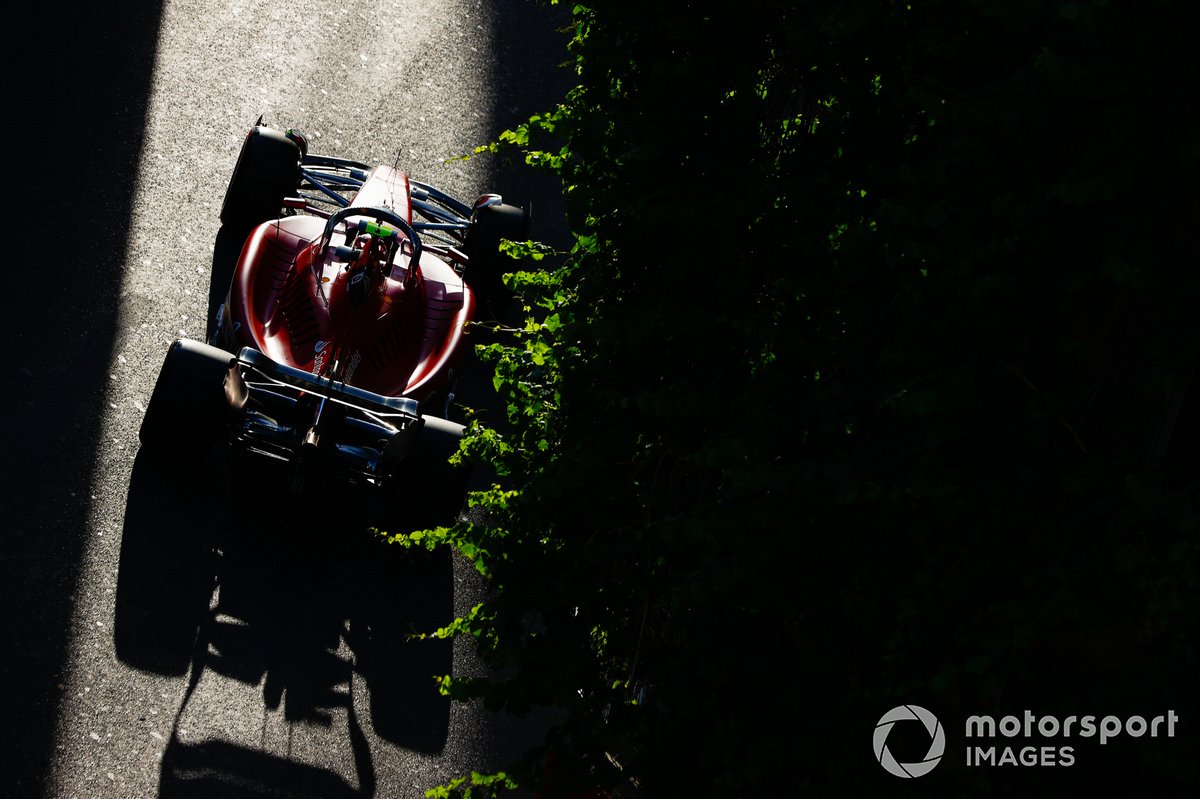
(134, 662)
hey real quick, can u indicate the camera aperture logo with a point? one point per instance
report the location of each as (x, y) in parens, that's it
(937, 741)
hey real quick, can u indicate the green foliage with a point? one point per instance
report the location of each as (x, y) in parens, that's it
(844, 393)
(478, 786)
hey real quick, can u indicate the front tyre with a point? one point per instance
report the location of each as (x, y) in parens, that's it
(490, 224)
(267, 171)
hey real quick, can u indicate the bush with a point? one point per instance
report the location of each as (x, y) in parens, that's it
(854, 391)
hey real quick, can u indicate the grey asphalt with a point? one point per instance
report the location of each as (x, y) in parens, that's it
(136, 663)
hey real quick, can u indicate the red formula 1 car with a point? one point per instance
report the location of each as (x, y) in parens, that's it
(336, 346)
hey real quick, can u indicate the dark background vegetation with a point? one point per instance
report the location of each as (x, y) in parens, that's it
(869, 381)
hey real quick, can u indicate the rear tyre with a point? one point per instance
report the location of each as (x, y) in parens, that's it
(267, 170)
(489, 225)
(427, 490)
(189, 408)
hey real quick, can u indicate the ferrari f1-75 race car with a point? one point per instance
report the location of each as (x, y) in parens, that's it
(337, 343)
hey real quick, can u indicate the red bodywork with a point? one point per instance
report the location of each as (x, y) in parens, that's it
(396, 332)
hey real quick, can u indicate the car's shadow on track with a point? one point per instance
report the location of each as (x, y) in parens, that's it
(225, 574)
(218, 769)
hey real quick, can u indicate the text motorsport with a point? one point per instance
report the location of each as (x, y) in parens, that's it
(984, 734)
(986, 727)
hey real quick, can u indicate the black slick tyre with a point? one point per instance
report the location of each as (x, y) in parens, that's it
(490, 224)
(427, 490)
(267, 171)
(189, 407)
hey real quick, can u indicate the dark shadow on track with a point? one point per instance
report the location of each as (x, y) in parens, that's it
(76, 96)
(168, 561)
(219, 770)
(529, 41)
(225, 572)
